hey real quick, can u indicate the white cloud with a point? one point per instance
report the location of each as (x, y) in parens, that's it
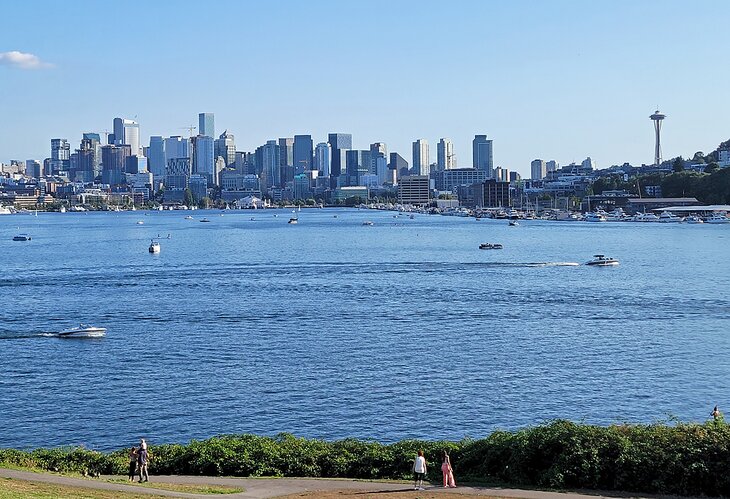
(22, 60)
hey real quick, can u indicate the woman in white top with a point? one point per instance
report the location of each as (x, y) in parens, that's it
(419, 470)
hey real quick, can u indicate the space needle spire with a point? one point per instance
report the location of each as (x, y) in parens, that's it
(657, 118)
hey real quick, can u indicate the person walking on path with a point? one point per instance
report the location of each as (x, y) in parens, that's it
(419, 471)
(132, 463)
(447, 471)
(142, 460)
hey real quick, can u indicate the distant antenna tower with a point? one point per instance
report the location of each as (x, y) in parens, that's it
(657, 118)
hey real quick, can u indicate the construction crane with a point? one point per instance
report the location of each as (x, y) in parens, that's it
(189, 129)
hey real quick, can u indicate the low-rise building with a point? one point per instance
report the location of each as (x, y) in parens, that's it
(414, 190)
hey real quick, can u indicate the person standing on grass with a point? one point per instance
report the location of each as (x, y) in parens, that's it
(447, 471)
(132, 463)
(419, 471)
(142, 460)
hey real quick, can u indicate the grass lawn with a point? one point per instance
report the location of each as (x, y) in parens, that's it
(21, 489)
(189, 488)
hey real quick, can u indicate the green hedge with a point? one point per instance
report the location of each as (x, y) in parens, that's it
(684, 459)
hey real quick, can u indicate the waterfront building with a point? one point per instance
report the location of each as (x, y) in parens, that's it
(451, 179)
(348, 192)
(339, 142)
(206, 124)
(414, 190)
(398, 164)
(445, 159)
(60, 156)
(538, 169)
(225, 147)
(492, 194)
(157, 158)
(127, 132)
(303, 153)
(204, 160)
(482, 154)
(420, 157)
(322, 158)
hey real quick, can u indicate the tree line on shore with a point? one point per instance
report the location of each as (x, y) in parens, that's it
(681, 459)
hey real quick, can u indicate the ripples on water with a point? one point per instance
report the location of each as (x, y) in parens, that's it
(331, 329)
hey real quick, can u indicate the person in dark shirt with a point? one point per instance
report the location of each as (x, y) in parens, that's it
(142, 459)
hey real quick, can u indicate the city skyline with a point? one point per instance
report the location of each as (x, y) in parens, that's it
(561, 80)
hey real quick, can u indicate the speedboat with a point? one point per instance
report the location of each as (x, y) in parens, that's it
(486, 246)
(602, 261)
(368, 222)
(692, 219)
(667, 217)
(293, 220)
(22, 237)
(204, 220)
(83, 331)
(188, 217)
(140, 222)
(717, 218)
(514, 223)
(154, 247)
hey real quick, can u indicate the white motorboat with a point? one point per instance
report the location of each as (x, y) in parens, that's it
(645, 217)
(22, 237)
(154, 247)
(667, 217)
(83, 331)
(717, 218)
(514, 223)
(140, 222)
(602, 261)
(692, 219)
(4, 210)
(188, 217)
(594, 217)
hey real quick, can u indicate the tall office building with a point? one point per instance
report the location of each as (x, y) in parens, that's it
(420, 157)
(398, 164)
(340, 142)
(377, 150)
(176, 147)
(271, 165)
(445, 159)
(303, 153)
(482, 154)
(225, 147)
(204, 160)
(538, 169)
(206, 124)
(114, 163)
(127, 132)
(286, 151)
(322, 158)
(60, 156)
(552, 166)
(157, 158)
(355, 166)
(33, 168)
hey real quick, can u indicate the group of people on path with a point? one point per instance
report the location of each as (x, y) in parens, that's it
(138, 460)
(420, 470)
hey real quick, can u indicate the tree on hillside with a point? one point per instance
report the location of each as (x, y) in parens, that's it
(678, 164)
(712, 167)
(682, 184)
(699, 157)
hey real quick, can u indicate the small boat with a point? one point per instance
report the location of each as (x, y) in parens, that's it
(692, 219)
(602, 261)
(204, 220)
(368, 222)
(22, 237)
(188, 217)
(293, 220)
(83, 331)
(154, 247)
(486, 246)
(594, 217)
(514, 223)
(717, 218)
(140, 222)
(412, 216)
(667, 217)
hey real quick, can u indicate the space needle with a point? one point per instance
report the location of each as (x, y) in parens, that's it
(657, 118)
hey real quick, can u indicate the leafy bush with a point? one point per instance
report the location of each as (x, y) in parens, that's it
(684, 459)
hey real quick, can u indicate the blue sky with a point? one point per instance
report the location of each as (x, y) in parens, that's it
(558, 79)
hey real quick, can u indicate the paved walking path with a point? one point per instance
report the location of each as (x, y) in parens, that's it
(260, 488)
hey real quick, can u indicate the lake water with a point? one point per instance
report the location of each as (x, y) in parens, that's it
(332, 329)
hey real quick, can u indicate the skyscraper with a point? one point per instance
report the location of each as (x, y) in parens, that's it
(204, 163)
(552, 166)
(303, 153)
(340, 142)
(538, 169)
(176, 147)
(398, 164)
(420, 157)
(60, 156)
(225, 147)
(157, 159)
(482, 154)
(286, 151)
(206, 124)
(377, 150)
(322, 158)
(127, 132)
(271, 172)
(114, 162)
(445, 159)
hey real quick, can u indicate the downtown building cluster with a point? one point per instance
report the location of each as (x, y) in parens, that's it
(117, 168)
